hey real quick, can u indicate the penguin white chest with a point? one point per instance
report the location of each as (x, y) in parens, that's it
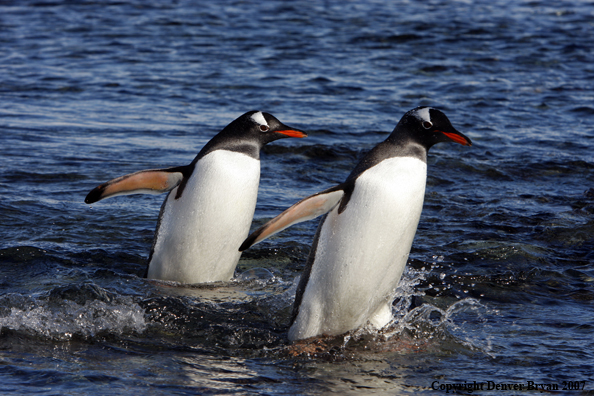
(199, 233)
(361, 253)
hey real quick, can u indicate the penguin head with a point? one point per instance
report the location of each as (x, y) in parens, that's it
(248, 134)
(263, 128)
(429, 126)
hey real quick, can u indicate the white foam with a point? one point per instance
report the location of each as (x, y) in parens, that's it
(70, 318)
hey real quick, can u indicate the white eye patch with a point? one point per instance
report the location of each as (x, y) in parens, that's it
(423, 114)
(259, 119)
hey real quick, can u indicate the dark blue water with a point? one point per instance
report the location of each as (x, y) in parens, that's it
(500, 284)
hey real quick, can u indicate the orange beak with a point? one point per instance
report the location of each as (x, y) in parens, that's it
(293, 133)
(463, 140)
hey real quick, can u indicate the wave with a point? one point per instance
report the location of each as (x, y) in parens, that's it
(65, 319)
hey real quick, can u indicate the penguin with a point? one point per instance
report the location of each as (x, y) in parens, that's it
(364, 238)
(211, 202)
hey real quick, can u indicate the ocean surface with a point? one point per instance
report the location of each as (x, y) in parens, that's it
(499, 288)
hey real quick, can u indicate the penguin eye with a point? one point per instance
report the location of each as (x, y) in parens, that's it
(264, 128)
(427, 124)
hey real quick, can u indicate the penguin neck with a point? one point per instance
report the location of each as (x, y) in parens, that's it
(231, 143)
(389, 148)
(404, 146)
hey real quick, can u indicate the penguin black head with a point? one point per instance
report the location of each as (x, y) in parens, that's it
(249, 133)
(261, 127)
(428, 126)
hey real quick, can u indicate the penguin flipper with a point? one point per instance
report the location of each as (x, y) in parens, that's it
(306, 209)
(153, 181)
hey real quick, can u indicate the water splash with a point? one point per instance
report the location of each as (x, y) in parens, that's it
(68, 319)
(458, 327)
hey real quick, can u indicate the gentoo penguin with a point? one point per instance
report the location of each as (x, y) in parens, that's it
(211, 202)
(362, 244)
